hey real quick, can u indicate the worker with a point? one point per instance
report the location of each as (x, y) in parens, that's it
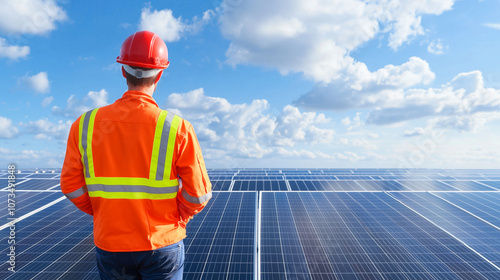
(138, 170)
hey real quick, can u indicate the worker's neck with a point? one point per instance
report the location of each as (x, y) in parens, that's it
(147, 90)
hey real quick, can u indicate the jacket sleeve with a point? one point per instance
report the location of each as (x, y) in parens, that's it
(196, 188)
(72, 179)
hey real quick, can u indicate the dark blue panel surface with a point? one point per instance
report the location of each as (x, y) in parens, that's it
(38, 184)
(480, 236)
(493, 184)
(419, 185)
(51, 243)
(485, 205)
(220, 185)
(260, 185)
(327, 235)
(25, 202)
(220, 241)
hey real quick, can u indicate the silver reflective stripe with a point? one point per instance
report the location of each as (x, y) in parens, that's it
(130, 188)
(85, 129)
(197, 200)
(165, 133)
(77, 193)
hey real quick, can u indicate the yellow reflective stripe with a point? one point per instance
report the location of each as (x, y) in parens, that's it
(131, 181)
(89, 142)
(131, 195)
(171, 144)
(80, 133)
(156, 144)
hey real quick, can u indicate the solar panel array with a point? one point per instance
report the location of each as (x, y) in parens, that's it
(287, 224)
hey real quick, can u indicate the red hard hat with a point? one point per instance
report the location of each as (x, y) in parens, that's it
(144, 49)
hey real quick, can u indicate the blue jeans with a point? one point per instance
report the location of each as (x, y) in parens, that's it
(162, 263)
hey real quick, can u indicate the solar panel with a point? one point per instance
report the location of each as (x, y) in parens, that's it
(353, 177)
(58, 241)
(37, 184)
(421, 185)
(25, 202)
(485, 205)
(326, 235)
(220, 185)
(218, 177)
(261, 185)
(478, 235)
(42, 175)
(309, 225)
(468, 186)
(494, 184)
(51, 243)
(221, 239)
(381, 185)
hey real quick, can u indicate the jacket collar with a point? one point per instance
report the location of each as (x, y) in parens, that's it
(132, 95)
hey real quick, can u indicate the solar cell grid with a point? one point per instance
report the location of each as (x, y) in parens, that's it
(267, 185)
(485, 205)
(220, 185)
(381, 186)
(37, 184)
(468, 186)
(480, 236)
(353, 177)
(258, 177)
(494, 178)
(220, 242)
(357, 233)
(220, 177)
(25, 202)
(43, 175)
(493, 184)
(45, 239)
(421, 185)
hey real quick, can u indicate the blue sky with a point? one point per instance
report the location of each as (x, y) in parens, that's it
(286, 83)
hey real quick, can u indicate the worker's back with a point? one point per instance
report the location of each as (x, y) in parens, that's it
(123, 165)
(122, 147)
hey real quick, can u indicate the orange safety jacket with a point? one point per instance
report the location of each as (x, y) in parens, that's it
(138, 170)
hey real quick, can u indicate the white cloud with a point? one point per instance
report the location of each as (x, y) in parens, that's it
(249, 130)
(7, 130)
(362, 88)
(13, 52)
(162, 23)
(98, 98)
(404, 17)
(45, 129)
(315, 37)
(349, 156)
(354, 123)
(47, 100)
(168, 27)
(462, 104)
(35, 17)
(436, 47)
(31, 158)
(39, 82)
(359, 143)
(417, 131)
(75, 106)
(493, 25)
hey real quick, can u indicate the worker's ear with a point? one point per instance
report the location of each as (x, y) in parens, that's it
(123, 72)
(158, 77)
